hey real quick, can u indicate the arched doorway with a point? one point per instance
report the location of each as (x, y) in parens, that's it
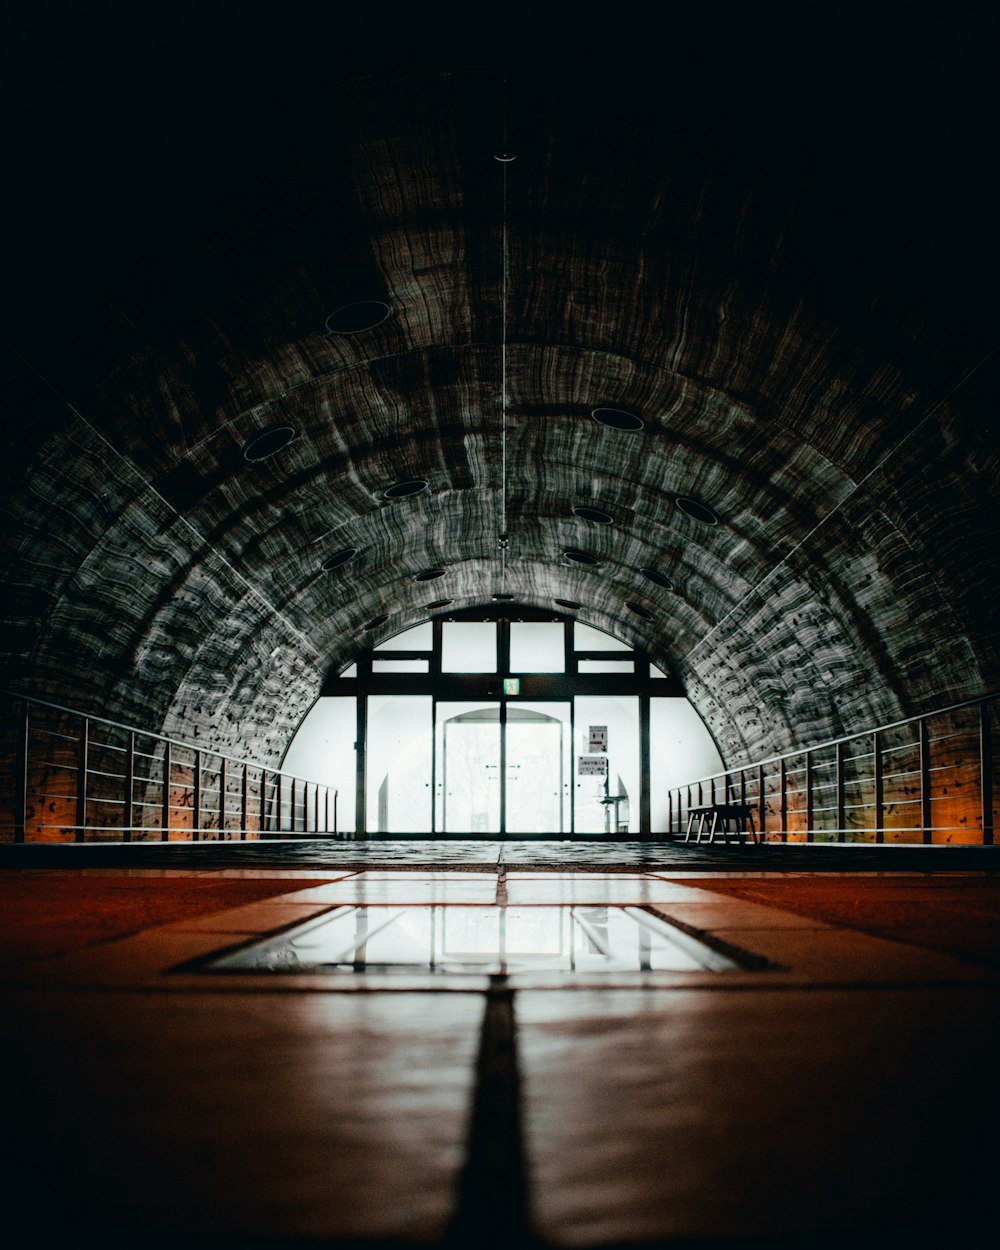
(503, 722)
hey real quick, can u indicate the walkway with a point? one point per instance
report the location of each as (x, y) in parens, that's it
(813, 1079)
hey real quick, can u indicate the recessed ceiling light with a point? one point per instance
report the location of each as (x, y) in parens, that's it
(618, 418)
(700, 511)
(503, 598)
(400, 490)
(580, 557)
(639, 610)
(365, 314)
(438, 603)
(430, 575)
(568, 603)
(651, 575)
(338, 558)
(267, 442)
(376, 622)
(594, 514)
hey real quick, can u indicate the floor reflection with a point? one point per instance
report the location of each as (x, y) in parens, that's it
(481, 940)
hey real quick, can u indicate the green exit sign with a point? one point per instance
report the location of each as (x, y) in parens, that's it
(512, 685)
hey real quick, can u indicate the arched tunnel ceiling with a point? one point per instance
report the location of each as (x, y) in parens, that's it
(757, 229)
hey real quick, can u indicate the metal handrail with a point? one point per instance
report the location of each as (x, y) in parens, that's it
(930, 780)
(219, 789)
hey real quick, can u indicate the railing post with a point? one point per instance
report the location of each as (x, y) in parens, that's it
(222, 798)
(783, 781)
(81, 780)
(196, 813)
(244, 801)
(743, 788)
(670, 813)
(292, 807)
(879, 786)
(841, 806)
(762, 802)
(326, 811)
(986, 771)
(336, 812)
(129, 780)
(263, 803)
(925, 781)
(711, 792)
(316, 809)
(279, 813)
(165, 797)
(809, 796)
(21, 775)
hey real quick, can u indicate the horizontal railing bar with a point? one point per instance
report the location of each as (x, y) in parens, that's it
(174, 742)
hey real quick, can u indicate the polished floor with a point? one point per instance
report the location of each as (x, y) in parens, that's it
(821, 1070)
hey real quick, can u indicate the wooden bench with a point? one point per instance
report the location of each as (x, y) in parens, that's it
(729, 820)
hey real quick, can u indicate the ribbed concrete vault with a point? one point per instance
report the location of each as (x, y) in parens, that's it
(758, 234)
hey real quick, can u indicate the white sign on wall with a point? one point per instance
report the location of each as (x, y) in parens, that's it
(598, 736)
(592, 765)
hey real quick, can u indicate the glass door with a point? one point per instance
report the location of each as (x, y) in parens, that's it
(503, 768)
(537, 768)
(468, 783)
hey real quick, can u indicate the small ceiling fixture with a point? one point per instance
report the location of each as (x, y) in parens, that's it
(267, 442)
(438, 603)
(338, 558)
(618, 418)
(364, 314)
(376, 621)
(430, 575)
(699, 511)
(594, 514)
(639, 610)
(400, 490)
(568, 603)
(651, 575)
(580, 557)
(503, 598)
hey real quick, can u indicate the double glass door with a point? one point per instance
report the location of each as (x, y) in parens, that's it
(503, 768)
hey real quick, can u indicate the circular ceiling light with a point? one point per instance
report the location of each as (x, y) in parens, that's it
(651, 575)
(639, 610)
(568, 603)
(580, 557)
(401, 490)
(699, 511)
(375, 622)
(594, 514)
(338, 558)
(267, 442)
(438, 603)
(618, 418)
(430, 575)
(365, 314)
(503, 598)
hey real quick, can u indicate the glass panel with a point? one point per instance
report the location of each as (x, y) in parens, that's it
(573, 940)
(401, 666)
(538, 768)
(680, 750)
(537, 647)
(587, 639)
(350, 671)
(607, 803)
(399, 764)
(323, 750)
(469, 647)
(657, 672)
(468, 768)
(420, 638)
(606, 666)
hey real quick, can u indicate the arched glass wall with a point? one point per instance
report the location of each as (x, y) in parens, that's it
(502, 723)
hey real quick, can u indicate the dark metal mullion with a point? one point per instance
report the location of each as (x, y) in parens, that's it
(645, 822)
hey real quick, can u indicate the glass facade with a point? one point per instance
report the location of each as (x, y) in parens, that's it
(586, 740)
